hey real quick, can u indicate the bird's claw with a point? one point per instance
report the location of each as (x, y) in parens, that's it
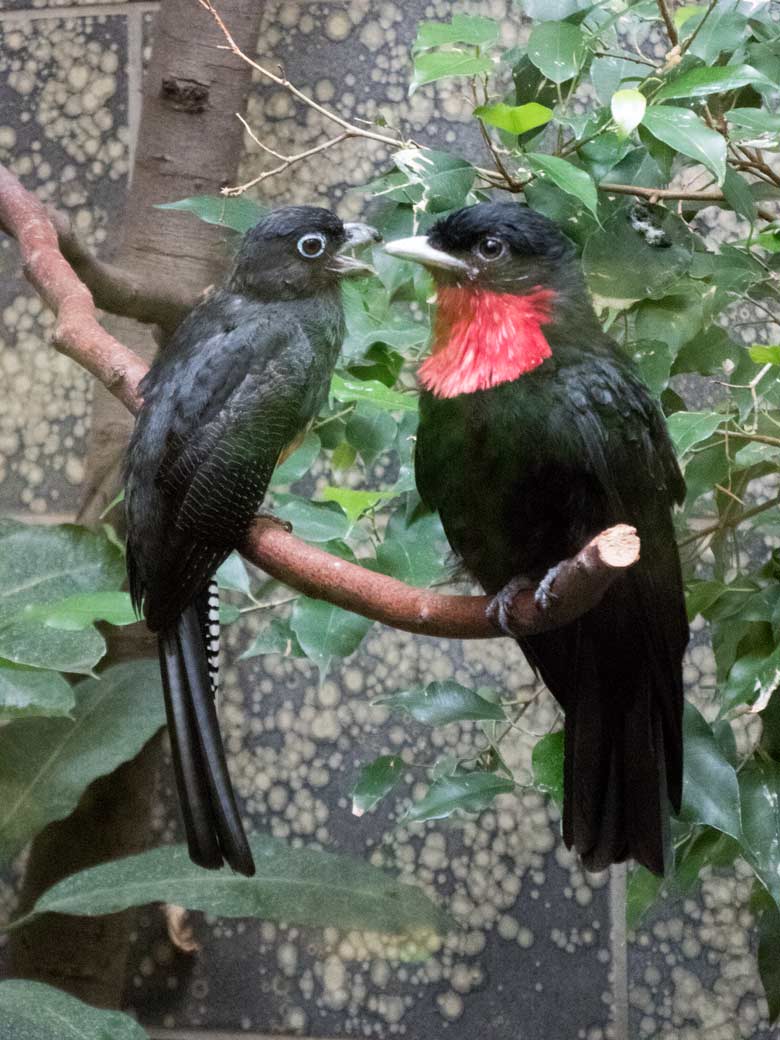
(499, 609)
(544, 596)
(266, 515)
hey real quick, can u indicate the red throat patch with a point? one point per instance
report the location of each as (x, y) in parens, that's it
(481, 339)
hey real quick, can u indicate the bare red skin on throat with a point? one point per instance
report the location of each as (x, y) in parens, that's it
(482, 338)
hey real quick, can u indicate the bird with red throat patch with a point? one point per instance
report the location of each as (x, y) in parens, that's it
(536, 433)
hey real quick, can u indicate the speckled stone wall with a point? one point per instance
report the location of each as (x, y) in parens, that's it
(542, 952)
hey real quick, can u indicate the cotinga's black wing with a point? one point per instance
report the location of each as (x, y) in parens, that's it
(617, 671)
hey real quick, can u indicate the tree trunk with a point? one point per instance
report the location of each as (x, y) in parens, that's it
(189, 143)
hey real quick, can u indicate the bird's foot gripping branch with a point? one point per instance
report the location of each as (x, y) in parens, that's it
(579, 583)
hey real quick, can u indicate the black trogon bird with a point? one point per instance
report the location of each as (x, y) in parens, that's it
(229, 395)
(536, 433)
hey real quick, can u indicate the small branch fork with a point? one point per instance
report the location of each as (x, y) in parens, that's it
(578, 584)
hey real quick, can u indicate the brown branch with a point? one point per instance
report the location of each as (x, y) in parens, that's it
(663, 7)
(578, 584)
(77, 333)
(727, 523)
(118, 291)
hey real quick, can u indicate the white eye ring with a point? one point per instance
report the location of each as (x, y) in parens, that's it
(311, 245)
(486, 248)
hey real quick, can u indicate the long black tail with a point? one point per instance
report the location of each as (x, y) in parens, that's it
(212, 822)
(622, 697)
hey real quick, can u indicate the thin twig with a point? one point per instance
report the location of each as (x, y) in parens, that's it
(686, 44)
(727, 523)
(663, 7)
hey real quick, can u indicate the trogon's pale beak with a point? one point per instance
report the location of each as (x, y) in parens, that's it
(357, 235)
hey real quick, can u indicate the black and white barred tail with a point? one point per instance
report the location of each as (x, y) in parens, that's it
(189, 662)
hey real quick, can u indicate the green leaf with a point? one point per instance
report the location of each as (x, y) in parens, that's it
(700, 82)
(642, 891)
(371, 431)
(234, 575)
(239, 213)
(687, 429)
(414, 550)
(312, 521)
(276, 638)
(752, 678)
(515, 119)
(701, 595)
(45, 764)
(302, 886)
(653, 358)
(569, 178)
(547, 765)
(723, 31)
(325, 631)
(430, 66)
(445, 179)
(356, 503)
(78, 612)
(27, 692)
(299, 463)
(41, 566)
(769, 239)
(463, 28)
(675, 319)
(466, 792)
(759, 788)
(441, 702)
(686, 133)
(557, 49)
(32, 1011)
(738, 195)
(553, 10)
(768, 960)
(620, 264)
(628, 108)
(764, 355)
(754, 127)
(345, 388)
(710, 788)
(377, 779)
(609, 74)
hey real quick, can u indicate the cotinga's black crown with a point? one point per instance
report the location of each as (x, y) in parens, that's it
(526, 232)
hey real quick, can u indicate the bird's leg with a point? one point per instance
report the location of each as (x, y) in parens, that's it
(499, 610)
(545, 596)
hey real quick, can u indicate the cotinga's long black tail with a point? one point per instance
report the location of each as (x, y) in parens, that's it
(211, 819)
(620, 685)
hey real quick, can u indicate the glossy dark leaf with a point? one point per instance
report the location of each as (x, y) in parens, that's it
(759, 787)
(26, 692)
(32, 1011)
(557, 49)
(547, 765)
(377, 779)
(303, 886)
(710, 788)
(312, 521)
(239, 213)
(769, 958)
(464, 792)
(441, 702)
(45, 764)
(325, 631)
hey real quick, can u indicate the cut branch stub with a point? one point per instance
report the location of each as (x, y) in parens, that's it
(570, 589)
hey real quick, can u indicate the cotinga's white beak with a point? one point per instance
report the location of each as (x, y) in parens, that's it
(419, 250)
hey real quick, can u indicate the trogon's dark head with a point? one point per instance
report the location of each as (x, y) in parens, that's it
(297, 251)
(500, 246)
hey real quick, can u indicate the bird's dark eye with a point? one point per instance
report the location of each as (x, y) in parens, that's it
(311, 246)
(491, 248)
